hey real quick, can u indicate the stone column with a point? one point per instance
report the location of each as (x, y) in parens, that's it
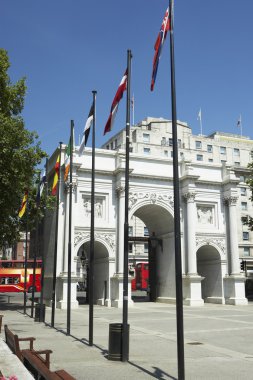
(233, 237)
(191, 232)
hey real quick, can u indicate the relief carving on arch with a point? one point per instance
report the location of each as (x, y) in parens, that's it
(219, 242)
(98, 206)
(107, 237)
(152, 197)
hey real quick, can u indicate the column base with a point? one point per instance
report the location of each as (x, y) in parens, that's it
(234, 288)
(192, 290)
(117, 291)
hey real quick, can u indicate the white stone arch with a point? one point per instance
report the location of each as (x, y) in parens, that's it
(141, 199)
(106, 239)
(218, 244)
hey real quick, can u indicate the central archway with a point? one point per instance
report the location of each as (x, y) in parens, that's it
(158, 219)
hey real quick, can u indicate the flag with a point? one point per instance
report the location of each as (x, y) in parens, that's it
(159, 44)
(40, 188)
(23, 205)
(239, 122)
(67, 161)
(115, 103)
(56, 175)
(86, 130)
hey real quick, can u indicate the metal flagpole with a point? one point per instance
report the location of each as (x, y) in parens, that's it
(56, 240)
(178, 263)
(26, 253)
(70, 229)
(91, 258)
(125, 330)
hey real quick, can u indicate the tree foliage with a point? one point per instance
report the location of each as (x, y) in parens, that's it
(20, 153)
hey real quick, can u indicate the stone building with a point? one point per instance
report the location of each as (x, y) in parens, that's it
(214, 198)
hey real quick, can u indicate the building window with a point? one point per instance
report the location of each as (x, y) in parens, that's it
(107, 146)
(145, 231)
(223, 161)
(198, 144)
(179, 142)
(210, 148)
(199, 157)
(242, 178)
(244, 206)
(145, 247)
(130, 247)
(166, 153)
(112, 145)
(130, 230)
(245, 235)
(237, 163)
(170, 142)
(223, 150)
(243, 191)
(246, 251)
(146, 150)
(163, 142)
(210, 160)
(130, 149)
(146, 137)
(116, 143)
(171, 153)
(236, 152)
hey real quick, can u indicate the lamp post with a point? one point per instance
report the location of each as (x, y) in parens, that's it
(153, 243)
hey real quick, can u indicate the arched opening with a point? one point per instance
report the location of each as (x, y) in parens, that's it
(209, 267)
(101, 271)
(158, 221)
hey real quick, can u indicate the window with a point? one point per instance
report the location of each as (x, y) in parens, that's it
(179, 142)
(223, 161)
(116, 143)
(130, 247)
(242, 178)
(245, 235)
(236, 152)
(223, 150)
(209, 148)
(166, 153)
(170, 142)
(210, 160)
(198, 144)
(243, 191)
(246, 251)
(199, 157)
(112, 145)
(145, 247)
(146, 150)
(146, 137)
(237, 163)
(244, 206)
(130, 230)
(107, 146)
(130, 149)
(171, 153)
(163, 142)
(145, 231)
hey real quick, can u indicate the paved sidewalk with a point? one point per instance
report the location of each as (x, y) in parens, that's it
(218, 341)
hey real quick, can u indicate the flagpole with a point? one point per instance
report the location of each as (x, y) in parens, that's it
(177, 233)
(92, 216)
(70, 229)
(56, 241)
(42, 315)
(125, 330)
(26, 253)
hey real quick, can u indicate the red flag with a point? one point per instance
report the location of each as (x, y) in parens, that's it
(159, 44)
(115, 103)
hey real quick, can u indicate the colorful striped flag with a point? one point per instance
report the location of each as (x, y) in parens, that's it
(159, 44)
(115, 103)
(86, 130)
(23, 205)
(40, 188)
(56, 176)
(67, 161)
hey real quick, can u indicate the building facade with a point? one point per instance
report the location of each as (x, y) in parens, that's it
(214, 199)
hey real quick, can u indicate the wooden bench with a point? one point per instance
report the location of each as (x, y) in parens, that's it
(12, 340)
(40, 371)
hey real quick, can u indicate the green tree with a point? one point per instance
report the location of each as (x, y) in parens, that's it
(20, 153)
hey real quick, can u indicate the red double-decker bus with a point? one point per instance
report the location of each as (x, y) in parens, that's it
(12, 276)
(140, 281)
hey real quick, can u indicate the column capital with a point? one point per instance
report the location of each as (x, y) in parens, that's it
(230, 200)
(120, 190)
(189, 196)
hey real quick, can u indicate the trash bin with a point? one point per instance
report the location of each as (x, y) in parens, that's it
(115, 341)
(40, 311)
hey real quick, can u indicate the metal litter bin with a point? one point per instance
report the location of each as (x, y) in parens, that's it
(40, 311)
(115, 341)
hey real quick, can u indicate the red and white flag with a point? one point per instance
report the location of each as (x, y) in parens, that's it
(115, 103)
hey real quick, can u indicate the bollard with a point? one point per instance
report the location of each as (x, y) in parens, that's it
(115, 341)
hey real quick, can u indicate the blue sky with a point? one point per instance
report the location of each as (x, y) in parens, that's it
(67, 48)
